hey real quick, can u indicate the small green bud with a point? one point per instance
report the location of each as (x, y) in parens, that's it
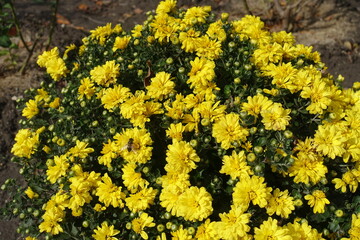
(36, 213)
(169, 60)
(205, 122)
(251, 157)
(167, 215)
(231, 44)
(174, 227)
(339, 213)
(136, 42)
(258, 168)
(258, 149)
(193, 143)
(128, 225)
(160, 227)
(181, 70)
(85, 224)
(288, 134)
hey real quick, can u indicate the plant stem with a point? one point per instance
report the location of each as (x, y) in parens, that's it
(17, 25)
(23, 67)
(53, 25)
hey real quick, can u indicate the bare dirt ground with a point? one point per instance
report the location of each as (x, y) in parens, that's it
(332, 27)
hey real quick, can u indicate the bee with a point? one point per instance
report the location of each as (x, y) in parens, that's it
(129, 146)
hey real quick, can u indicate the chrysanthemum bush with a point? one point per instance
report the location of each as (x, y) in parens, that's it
(188, 127)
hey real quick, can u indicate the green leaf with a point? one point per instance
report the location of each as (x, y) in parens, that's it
(74, 230)
(5, 41)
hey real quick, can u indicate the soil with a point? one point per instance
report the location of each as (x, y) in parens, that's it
(332, 27)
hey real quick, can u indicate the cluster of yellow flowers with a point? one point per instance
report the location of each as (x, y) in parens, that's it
(191, 128)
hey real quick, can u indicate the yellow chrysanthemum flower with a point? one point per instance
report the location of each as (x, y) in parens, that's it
(46, 56)
(80, 189)
(80, 150)
(161, 86)
(86, 88)
(109, 193)
(121, 43)
(134, 145)
(201, 74)
(354, 231)
(141, 200)
(317, 200)
(329, 140)
(175, 109)
(135, 109)
(270, 229)
(319, 94)
(233, 225)
(181, 234)
(31, 109)
(60, 167)
(42, 95)
(205, 231)
(136, 31)
(166, 6)
(196, 15)
(303, 231)
(102, 32)
(169, 197)
(189, 40)
(236, 165)
(282, 74)
(227, 130)
(194, 204)
(270, 53)
(308, 167)
(106, 74)
(275, 117)
(55, 103)
(208, 48)
(180, 157)
(140, 223)
(52, 217)
(283, 37)
(173, 178)
(26, 142)
(30, 193)
(211, 111)
(216, 31)
(56, 68)
(113, 97)
(349, 179)
(175, 131)
(132, 179)
(109, 152)
(164, 28)
(256, 104)
(105, 232)
(280, 203)
(251, 189)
